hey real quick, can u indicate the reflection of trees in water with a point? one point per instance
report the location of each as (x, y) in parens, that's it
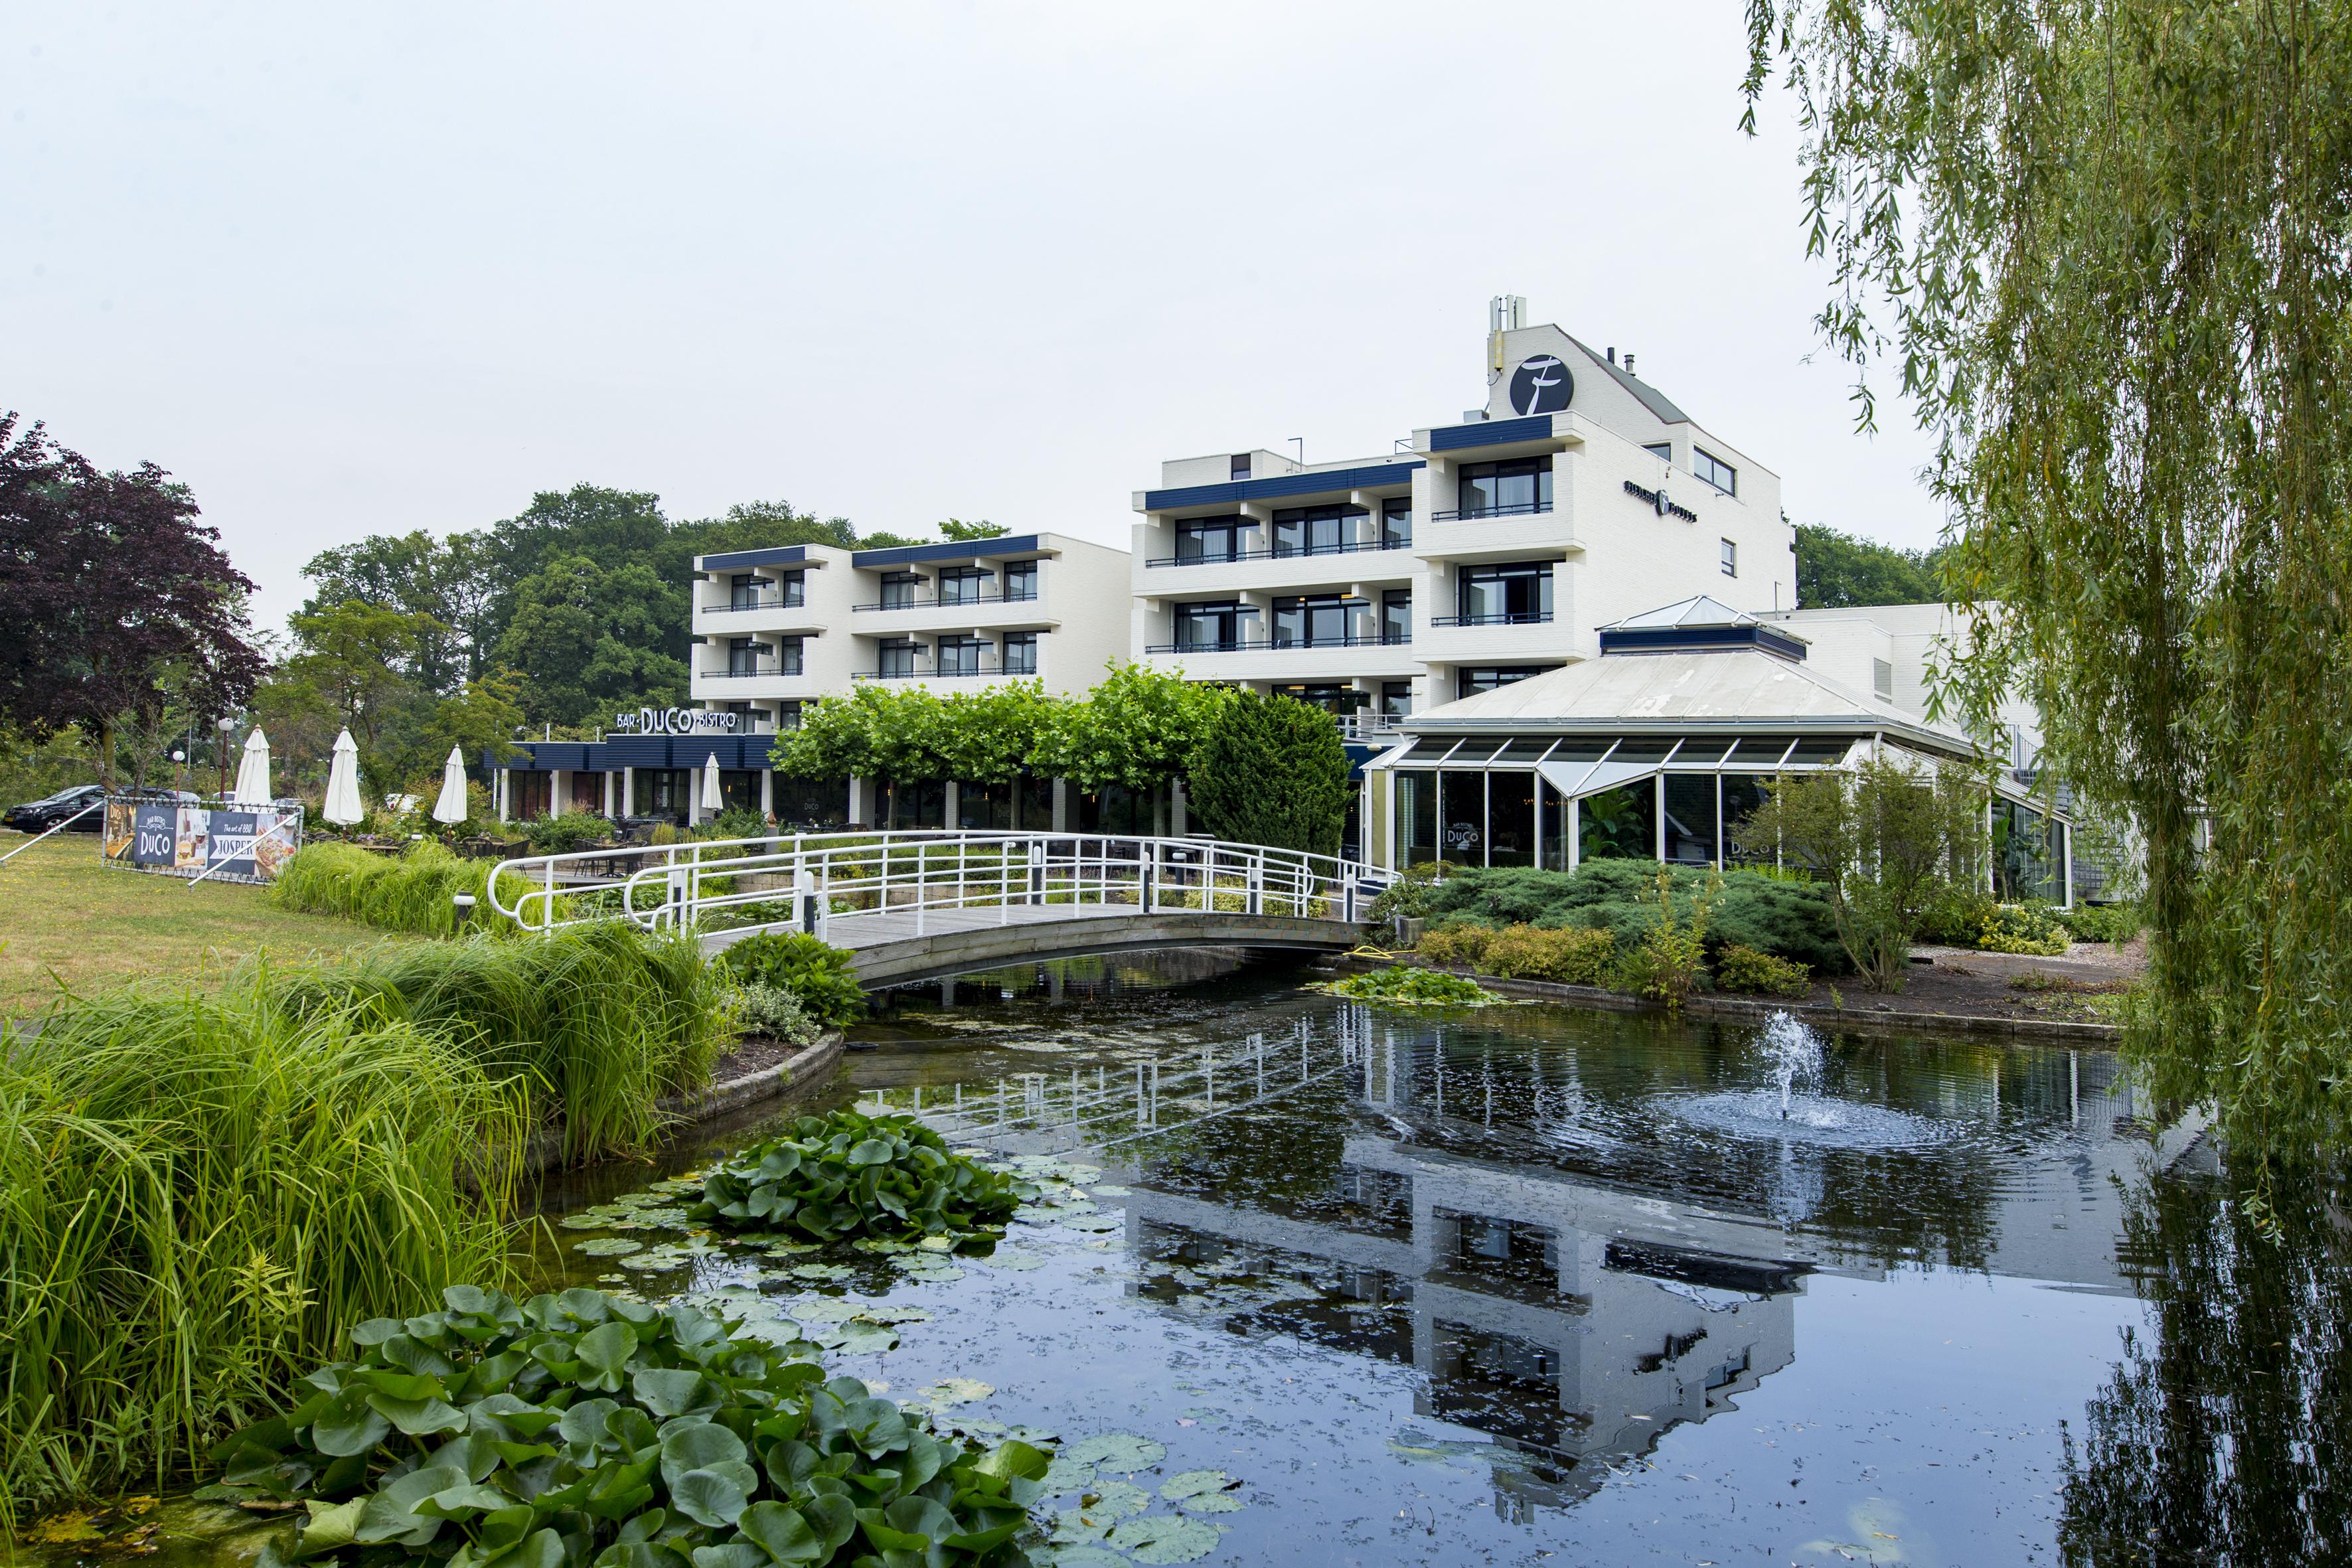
(2229, 1438)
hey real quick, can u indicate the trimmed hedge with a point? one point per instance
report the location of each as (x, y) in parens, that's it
(1786, 918)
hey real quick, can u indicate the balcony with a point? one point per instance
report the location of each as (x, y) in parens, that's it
(933, 601)
(925, 670)
(757, 672)
(1495, 618)
(1253, 645)
(756, 602)
(1500, 509)
(1279, 553)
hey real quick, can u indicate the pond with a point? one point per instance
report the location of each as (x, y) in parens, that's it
(1316, 1283)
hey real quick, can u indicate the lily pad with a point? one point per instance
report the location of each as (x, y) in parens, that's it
(1095, 1222)
(1212, 1502)
(1081, 1557)
(1120, 1453)
(654, 1257)
(883, 1312)
(827, 1272)
(1166, 1538)
(1062, 1475)
(1012, 1258)
(827, 1309)
(608, 1247)
(1112, 1193)
(957, 1391)
(1192, 1483)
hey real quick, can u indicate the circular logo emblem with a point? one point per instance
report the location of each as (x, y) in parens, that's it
(1541, 385)
(1662, 503)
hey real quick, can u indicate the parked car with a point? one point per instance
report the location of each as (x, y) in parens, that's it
(40, 816)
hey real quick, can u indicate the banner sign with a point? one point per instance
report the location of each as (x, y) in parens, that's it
(222, 843)
(674, 722)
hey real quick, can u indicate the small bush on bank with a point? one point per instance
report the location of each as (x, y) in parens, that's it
(772, 1013)
(818, 976)
(2022, 928)
(1464, 944)
(848, 1174)
(1667, 965)
(564, 834)
(1744, 969)
(2102, 922)
(590, 1428)
(1411, 988)
(1772, 914)
(1570, 957)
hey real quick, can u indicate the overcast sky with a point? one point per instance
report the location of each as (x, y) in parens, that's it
(355, 270)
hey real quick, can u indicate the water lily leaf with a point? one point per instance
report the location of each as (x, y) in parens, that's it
(1114, 1500)
(418, 1417)
(1212, 1502)
(1166, 1538)
(860, 1337)
(1192, 1483)
(1113, 1192)
(697, 1446)
(710, 1498)
(1083, 1557)
(734, 1554)
(608, 1247)
(782, 1533)
(957, 1391)
(330, 1525)
(1122, 1453)
(1012, 1257)
(882, 1312)
(1062, 1475)
(349, 1428)
(1097, 1222)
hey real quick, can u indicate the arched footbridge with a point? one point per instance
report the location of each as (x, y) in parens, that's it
(910, 905)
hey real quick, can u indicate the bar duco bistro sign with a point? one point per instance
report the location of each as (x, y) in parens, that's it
(673, 721)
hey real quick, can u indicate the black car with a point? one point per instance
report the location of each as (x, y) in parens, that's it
(40, 816)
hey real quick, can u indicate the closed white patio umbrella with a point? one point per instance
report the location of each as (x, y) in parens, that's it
(713, 801)
(343, 783)
(253, 772)
(451, 806)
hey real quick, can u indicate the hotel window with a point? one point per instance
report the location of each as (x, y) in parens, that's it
(1396, 522)
(788, 659)
(795, 586)
(1515, 595)
(742, 591)
(1517, 487)
(1396, 698)
(1240, 465)
(1320, 620)
(898, 658)
(1396, 615)
(1471, 682)
(963, 584)
(1715, 471)
(788, 715)
(1021, 653)
(898, 590)
(1730, 559)
(961, 656)
(1314, 530)
(1021, 580)
(1881, 679)
(1210, 537)
(742, 656)
(1331, 696)
(1201, 628)
(1662, 450)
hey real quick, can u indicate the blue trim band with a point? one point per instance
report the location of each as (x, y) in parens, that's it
(1325, 482)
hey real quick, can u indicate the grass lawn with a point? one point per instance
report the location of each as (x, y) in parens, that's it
(61, 910)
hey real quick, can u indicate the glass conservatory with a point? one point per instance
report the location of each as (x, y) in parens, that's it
(1657, 750)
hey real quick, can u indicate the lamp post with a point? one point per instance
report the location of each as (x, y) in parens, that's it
(226, 728)
(180, 762)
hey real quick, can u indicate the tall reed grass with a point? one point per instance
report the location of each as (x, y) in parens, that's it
(199, 1196)
(415, 891)
(597, 1022)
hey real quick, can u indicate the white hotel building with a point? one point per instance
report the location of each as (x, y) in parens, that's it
(776, 628)
(1475, 554)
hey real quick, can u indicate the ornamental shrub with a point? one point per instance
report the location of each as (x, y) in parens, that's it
(588, 1428)
(2022, 928)
(1464, 944)
(1571, 956)
(771, 1013)
(1788, 919)
(1670, 960)
(1272, 771)
(848, 1174)
(818, 976)
(1407, 986)
(1738, 968)
(2102, 922)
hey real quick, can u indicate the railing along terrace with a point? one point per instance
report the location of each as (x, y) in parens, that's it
(1282, 551)
(812, 882)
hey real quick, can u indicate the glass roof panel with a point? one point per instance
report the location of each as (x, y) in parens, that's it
(1583, 748)
(1823, 749)
(1526, 750)
(1762, 751)
(1643, 749)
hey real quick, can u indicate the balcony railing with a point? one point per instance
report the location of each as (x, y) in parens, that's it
(1503, 509)
(1362, 726)
(1281, 552)
(933, 601)
(1495, 618)
(765, 602)
(1254, 644)
(926, 672)
(752, 674)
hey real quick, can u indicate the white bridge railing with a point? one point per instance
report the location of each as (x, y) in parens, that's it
(929, 880)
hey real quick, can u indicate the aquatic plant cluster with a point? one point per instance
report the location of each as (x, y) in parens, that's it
(1404, 985)
(587, 1427)
(199, 1195)
(847, 1174)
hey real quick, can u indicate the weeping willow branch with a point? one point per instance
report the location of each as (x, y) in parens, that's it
(2105, 244)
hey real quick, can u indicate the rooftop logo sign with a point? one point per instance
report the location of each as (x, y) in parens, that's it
(1657, 501)
(673, 721)
(1541, 385)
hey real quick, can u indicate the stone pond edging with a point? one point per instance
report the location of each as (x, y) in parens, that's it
(803, 1069)
(2048, 1031)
